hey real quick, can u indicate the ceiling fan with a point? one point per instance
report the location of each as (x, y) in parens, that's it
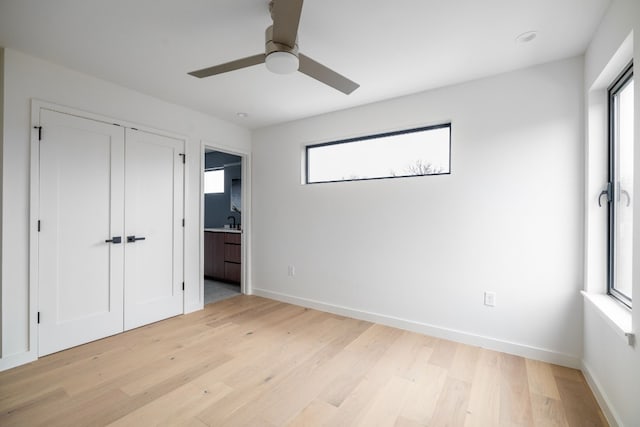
(281, 51)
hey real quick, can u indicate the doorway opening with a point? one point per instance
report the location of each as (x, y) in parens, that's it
(222, 224)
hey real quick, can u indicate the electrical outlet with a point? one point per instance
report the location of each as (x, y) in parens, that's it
(291, 271)
(490, 299)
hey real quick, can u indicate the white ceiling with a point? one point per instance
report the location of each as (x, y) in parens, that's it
(390, 47)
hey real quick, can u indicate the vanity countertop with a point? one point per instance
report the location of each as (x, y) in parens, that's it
(222, 230)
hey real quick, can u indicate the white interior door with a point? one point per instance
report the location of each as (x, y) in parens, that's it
(153, 217)
(80, 295)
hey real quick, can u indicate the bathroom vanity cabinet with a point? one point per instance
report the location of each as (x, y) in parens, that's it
(222, 255)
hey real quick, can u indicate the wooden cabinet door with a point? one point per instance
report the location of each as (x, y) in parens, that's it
(232, 253)
(232, 272)
(209, 248)
(214, 255)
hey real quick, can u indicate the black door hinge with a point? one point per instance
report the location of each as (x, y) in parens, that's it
(184, 157)
(183, 286)
(39, 132)
(183, 222)
(38, 226)
(38, 317)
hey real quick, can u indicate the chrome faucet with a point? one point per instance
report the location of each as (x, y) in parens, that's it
(233, 225)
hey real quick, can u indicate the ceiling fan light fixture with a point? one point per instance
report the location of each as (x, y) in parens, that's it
(282, 62)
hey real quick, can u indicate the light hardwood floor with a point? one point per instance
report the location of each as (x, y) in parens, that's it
(250, 361)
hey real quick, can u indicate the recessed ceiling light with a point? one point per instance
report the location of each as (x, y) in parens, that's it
(527, 37)
(242, 115)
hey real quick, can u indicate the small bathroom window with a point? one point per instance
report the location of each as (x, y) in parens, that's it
(214, 181)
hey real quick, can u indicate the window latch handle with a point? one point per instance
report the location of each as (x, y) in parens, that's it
(607, 193)
(626, 193)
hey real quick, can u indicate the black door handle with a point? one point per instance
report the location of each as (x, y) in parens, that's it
(114, 240)
(132, 239)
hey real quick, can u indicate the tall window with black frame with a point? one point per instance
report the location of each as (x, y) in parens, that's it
(619, 190)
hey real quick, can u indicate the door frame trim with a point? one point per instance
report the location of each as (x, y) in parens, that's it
(34, 196)
(245, 276)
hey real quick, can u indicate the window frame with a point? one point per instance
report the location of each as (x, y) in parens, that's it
(376, 136)
(620, 82)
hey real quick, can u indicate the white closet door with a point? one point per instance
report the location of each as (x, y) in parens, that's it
(80, 295)
(154, 212)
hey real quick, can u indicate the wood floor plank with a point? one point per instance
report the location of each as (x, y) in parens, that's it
(515, 400)
(265, 397)
(364, 357)
(398, 360)
(105, 405)
(250, 361)
(317, 413)
(388, 403)
(23, 412)
(95, 408)
(567, 373)
(271, 348)
(317, 373)
(191, 422)
(356, 404)
(415, 352)
(464, 363)
(405, 422)
(443, 353)
(484, 400)
(183, 403)
(541, 379)
(579, 404)
(547, 412)
(421, 401)
(451, 408)
(419, 370)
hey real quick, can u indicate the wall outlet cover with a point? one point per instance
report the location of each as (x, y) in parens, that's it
(490, 299)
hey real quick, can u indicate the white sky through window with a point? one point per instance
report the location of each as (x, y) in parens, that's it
(214, 181)
(423, 152)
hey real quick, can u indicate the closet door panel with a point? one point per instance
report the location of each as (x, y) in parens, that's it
(153, 224)
(80, 287)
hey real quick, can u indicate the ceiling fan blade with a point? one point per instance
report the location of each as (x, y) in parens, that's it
(229, 66)
(286, 18)
(326, 75)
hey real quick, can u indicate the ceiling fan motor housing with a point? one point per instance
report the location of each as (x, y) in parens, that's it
(280, 58)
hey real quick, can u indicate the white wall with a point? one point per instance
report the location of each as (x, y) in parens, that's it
(610, 363)
(419, 252)
(26, 78)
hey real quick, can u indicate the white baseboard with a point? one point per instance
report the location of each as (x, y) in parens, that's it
(14, 360)
(432, 330)
(601, 396)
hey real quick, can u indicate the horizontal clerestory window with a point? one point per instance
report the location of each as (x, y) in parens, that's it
(413, 152)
